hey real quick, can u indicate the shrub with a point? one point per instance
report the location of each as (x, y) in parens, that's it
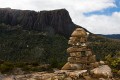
(114, 61)
(6, 67)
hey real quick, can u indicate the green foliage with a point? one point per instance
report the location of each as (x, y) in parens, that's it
(18, 46)
(114, 61)
(102, 46)
(29, 49)
(6, 67)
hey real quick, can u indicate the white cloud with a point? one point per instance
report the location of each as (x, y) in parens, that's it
(81, 5)
(95, 23)
(102, 23)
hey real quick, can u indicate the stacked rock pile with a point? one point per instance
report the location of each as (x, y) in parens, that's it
(81, 57)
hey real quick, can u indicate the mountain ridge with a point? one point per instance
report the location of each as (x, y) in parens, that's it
(112, 36)
(53, 21)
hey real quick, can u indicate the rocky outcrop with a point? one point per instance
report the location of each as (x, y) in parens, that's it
(54, 21)
(102, 71)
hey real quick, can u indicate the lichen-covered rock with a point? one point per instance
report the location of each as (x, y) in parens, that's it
(88, 53)
(66, 66)
(79, 32)
(75, 54)
(94, 65)
(102, 71)
(75, 49)
(57, 77)
(73, 41)
(68, 78)
(92, 59)
(76, 66)
(102, 63)
(80, 60)
(118, 72)
(69, 66)
(87, 78)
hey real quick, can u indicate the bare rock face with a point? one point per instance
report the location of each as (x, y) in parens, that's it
(54, 21)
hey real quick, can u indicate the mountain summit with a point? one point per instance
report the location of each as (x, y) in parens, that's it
(53, 21)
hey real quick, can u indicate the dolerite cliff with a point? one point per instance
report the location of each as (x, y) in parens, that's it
(54, 21)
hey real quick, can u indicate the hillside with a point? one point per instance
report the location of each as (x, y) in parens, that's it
(112, 36)
(30, 39)
(24, 46)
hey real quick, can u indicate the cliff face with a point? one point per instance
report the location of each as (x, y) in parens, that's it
(55, 21)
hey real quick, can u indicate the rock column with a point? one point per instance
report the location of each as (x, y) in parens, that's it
(81, 56)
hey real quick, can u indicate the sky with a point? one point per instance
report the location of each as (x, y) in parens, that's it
(97, 16)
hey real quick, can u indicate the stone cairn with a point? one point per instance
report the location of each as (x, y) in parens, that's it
(82, 59)
(81, 56)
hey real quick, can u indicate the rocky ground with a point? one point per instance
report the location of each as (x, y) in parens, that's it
(57, 75)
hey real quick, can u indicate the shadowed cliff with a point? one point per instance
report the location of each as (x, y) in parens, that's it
(55, 21)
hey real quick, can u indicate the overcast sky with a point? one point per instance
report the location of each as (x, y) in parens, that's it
(98, 16)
